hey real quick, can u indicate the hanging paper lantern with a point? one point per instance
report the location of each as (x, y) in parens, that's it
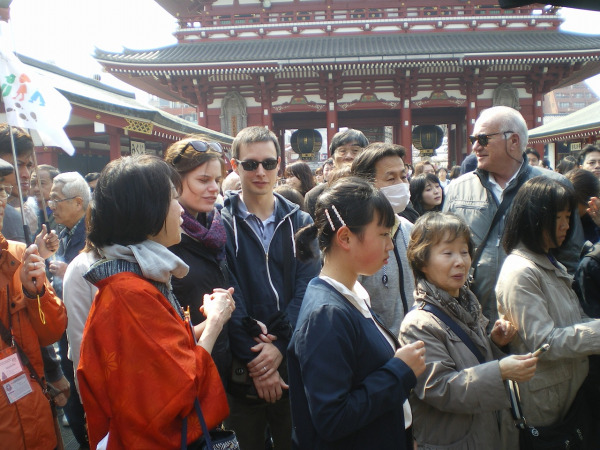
(427, 138)
(306, 143)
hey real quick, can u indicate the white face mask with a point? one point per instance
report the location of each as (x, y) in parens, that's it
(398, 195)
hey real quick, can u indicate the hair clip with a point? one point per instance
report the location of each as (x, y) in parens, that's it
(329, 219)
(338, 215)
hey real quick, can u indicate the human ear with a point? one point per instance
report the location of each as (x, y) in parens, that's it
(343, 237)
(234, 165)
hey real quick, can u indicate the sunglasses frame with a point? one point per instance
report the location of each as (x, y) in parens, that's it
(250, 165)
(484, 139)
(200, 147)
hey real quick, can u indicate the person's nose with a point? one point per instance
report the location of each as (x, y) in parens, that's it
(389, 244)
(213, 186)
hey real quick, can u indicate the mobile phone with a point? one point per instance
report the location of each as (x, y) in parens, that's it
(542, 349)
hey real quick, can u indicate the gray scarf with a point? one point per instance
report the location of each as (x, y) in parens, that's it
(155, 260)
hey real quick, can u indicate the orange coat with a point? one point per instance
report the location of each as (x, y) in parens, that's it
(27, 423)
(140, 369)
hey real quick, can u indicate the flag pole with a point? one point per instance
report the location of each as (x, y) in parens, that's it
(39, 185)
(28, 240)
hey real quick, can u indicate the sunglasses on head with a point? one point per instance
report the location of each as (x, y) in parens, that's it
(484, 139)
(250, 165)
(200, 147)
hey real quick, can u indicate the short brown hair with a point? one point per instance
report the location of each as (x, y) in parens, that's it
(428, 231)
(250, 135)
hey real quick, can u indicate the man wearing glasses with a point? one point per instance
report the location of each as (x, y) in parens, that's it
(269, 285)
(69, 199)
(499, 141)
(345, 146)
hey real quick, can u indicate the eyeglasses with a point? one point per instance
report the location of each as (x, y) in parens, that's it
(200, 147)
(484, 139)
(352, 150)
(5, 191)
(54, 202)
(251, 165)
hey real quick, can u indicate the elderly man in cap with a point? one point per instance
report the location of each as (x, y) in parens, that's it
(30, 315)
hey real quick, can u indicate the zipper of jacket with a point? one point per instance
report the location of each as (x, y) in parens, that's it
(283, 219)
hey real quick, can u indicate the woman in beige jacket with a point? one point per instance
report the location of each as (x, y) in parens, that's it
(534, 293)
(456, 400)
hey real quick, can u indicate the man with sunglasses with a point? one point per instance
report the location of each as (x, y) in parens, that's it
(269, 285)
(499, 141)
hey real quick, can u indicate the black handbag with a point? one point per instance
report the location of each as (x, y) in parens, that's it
(217, 439)
(573, 433)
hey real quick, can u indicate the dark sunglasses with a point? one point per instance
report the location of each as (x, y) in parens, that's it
(200, 147)
(484, 139)
(251, 165)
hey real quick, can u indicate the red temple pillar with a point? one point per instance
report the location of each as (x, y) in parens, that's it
(47, 155)
(332, 122)
(538, 114)
(114, 140)
(406, 129)
(471, 111)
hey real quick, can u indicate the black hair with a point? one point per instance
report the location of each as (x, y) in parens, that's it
(52, 171)
(291, 194)
(586, 150)
(546, 164)
(348, 137)
(23, 141)
(531, 151)
(92, 176)
(533, 213)
(417, 187)
(454, 172)
(364, 164)
(585, 184)
(356, 201)
(302, 171)
(131, 200)
(566, 164)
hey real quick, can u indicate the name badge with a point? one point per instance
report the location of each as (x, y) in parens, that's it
(13, 378)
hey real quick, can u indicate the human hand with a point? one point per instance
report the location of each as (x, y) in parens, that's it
(264, 336)
(63, 388)
(414, 356)
(266, 363)
(57, 268)
(271, 388)
(503, 332)
(218, 306)
(33, 270)
(594, 210)
(47, 242)
(518, 368)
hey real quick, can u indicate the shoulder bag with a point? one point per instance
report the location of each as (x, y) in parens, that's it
(573, 433)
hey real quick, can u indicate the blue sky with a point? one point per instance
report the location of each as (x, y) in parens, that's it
(65, 32)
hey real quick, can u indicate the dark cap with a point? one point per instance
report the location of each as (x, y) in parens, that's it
(6, 168)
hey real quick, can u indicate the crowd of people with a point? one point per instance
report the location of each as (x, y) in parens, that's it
(374, 305)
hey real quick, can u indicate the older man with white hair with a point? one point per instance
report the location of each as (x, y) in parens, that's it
(483, 198)
(69, 199)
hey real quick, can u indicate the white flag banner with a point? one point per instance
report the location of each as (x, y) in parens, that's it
(31, 103)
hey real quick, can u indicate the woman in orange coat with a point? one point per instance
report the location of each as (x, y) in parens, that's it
(26, 422)
(141, 369)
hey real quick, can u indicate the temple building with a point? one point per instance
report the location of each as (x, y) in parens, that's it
(383, 67)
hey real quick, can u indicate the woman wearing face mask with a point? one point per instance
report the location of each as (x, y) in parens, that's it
(391, 288)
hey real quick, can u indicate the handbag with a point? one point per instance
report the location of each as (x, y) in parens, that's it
(573, 433)
(217, 439)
